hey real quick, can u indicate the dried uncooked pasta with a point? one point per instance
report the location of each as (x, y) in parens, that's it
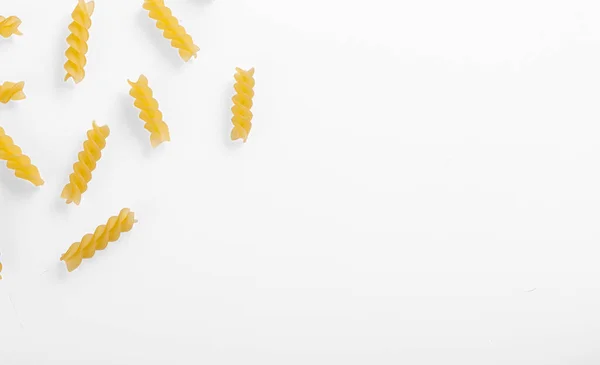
(9, 26)
(77, 40)
(16, 160)
(149, 113)
(92, 242)
(87, 159)
(11, 91)
(165, 20)
(242, 103)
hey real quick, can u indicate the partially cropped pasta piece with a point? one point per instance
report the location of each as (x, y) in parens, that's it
(92, 242)
(11, 91)
(165, 20)
(77, 41)
(16, 160)
(9, 26)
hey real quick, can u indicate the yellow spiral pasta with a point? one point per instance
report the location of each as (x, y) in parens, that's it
(11, 91)
(92, 242)
(242, 103)
(87, 159)
(9, 26)
(0, 270)
(149, 113)
(77, 40)
(171, 28)
(16, 160)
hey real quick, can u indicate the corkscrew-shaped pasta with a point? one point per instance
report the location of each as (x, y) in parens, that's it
(77, 40)
(92, 242)
(9, 26)
(242, 103)
(16, 160)
(87, 159)
(171, 28)
(11, 91)
(0, 270)
(149, 113)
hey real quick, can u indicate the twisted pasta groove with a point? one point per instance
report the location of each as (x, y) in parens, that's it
(165, 20)
(149, 113)
(77, 41)
(87, 159)
(11, 91)
(17, 161)
(242, 103)
(90, 243)
(9, 26)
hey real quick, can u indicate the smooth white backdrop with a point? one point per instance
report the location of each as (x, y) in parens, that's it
(421, 186)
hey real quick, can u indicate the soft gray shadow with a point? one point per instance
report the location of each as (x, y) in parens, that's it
(136, 125)
(160, 43)
(57, 271)
(23, 189)
(62, 45)
(226, 119)
(202, 3)
(13, 104)
(60, 206)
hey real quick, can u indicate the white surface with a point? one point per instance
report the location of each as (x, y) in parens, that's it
(421, 186)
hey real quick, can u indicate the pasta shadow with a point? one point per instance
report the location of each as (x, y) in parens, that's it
(18, 187)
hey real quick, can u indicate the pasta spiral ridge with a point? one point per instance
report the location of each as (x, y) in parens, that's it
(97, 241)
(9, 26)
(87, 159)
(149, 112)
(171, 28)
(11, 91)
(77, 41)
(17, 161)
(242, 103)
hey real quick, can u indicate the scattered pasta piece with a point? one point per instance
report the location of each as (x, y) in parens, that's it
(159, 131)
(242, 103)
(9, 26)
(171, 28)
(87, 159)
(11, 91)
(77, 41)
(90, 243)
(0, 270)
(16, 160)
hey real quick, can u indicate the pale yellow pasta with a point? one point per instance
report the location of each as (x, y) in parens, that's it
(242, 103)
(77, 41)
(165, 20)
(87, 159)
(90, 243)
(149, 112)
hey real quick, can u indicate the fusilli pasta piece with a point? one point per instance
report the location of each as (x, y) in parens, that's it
(92, 242)
(165, 20)
(149, 113)
(77, 41)
(16, 160)
(87, 159)
(9, 26)
(11, 91)
(242, 103)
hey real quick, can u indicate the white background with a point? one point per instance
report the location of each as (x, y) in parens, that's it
(421, 186)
